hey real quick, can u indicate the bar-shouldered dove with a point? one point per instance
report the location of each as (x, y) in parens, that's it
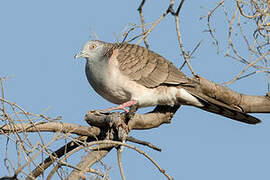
(128, 74)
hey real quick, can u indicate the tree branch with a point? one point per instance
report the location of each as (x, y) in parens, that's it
(247, 103)
(119, 158)
(90, 159)
(153, 119)
(143, 23)
(134, 140)
(50, 127)
(51, 159)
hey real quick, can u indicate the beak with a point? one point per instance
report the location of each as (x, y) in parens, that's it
(80, 55)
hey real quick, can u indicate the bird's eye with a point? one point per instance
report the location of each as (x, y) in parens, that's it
(92, 47)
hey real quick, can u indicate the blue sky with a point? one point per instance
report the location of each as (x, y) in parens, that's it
(40, 38)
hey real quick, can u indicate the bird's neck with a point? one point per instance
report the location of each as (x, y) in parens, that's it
(96, 72)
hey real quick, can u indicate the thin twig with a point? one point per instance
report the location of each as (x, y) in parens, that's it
(176, 15)
(246, 68)
(120, 163)
(145, 143)
(179, 8)
(3, 97)
(242, 13)
(91, 158)
(143, 23)
(211, 31)
(131, 147)
(190, 55)
(157, 21)
(69, 147)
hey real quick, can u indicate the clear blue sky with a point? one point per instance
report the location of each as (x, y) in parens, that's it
(38, 40)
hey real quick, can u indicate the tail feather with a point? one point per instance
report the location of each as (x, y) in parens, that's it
(217, 107)
(233, 114)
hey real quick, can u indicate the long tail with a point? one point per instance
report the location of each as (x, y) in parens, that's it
(217, 107)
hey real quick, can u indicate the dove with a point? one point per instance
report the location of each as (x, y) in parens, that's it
(129, 74)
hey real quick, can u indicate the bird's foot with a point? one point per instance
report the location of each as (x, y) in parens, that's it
(121, 106)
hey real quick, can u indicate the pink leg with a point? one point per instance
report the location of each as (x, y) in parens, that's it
(121, 106)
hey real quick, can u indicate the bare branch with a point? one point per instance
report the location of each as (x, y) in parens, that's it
(157, 21)
(189, 56)
(51, 159)
(180, 39)
(50, 127)
(109, 142)
(210, 29)
(90, 159)
(143, 23)
(134, 140)
(247, 103)
(237, 77)
(160, 115)
(120, 164)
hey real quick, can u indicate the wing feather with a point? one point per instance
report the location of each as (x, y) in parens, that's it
(148, 68)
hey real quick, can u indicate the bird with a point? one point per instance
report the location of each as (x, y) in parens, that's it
(128, 74)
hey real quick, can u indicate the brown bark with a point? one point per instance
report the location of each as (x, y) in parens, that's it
(153, 119)
(88, 160)
(247, 103)
(50, 127)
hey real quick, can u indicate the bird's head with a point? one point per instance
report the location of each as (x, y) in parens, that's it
(92, 50)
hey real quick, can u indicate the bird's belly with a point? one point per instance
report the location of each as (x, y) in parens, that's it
(120, 90)
(155, 96)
